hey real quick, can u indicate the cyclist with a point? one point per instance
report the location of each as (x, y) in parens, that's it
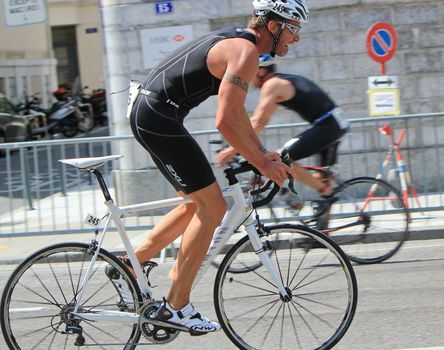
(223, 63)
(304, 97)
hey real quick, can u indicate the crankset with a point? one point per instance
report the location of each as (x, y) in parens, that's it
(154, 333)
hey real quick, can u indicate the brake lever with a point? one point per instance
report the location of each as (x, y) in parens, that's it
(291, 184)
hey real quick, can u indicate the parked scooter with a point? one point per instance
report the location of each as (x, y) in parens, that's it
(59, 118)
(86, 116)
(97, 99)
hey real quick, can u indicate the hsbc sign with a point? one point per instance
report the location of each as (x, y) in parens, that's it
(167, 39)
(157, 43)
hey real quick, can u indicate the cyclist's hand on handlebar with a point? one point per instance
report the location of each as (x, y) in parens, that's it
(273, 156)
(224, 156)
(275, 170)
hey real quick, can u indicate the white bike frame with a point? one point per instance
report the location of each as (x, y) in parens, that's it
(238, 214)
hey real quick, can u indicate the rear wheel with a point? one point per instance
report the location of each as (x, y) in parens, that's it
(368, 219)
(41, 293)
(320, 281)
(69, 127)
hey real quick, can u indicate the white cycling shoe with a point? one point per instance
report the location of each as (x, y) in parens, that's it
(186, 319)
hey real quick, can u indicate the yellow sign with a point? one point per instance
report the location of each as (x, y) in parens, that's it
(384, 102)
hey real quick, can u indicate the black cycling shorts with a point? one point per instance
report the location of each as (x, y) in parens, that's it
(158, 127)
(322, 138)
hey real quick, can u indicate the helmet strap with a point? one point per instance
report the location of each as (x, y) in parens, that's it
(275, 38)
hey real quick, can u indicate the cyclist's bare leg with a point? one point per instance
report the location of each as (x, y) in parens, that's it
(304, 176)
(211, 208)
(166, 231)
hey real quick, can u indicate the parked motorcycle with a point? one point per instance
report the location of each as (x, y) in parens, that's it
(65, 117)
(86, 120)
(97, 99)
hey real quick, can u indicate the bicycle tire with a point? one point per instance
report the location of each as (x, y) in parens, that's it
(322, 283)
(379, 219)
(34, 315)
(87, 123)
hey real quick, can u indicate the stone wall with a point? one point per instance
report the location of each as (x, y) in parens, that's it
(332, 50)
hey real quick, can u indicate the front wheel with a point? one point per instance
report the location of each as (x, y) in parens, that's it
(320, 281)
(38, 299)
(86, 124)
(368, 219)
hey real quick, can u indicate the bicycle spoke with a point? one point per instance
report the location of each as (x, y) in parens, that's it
(36, 330)
(377, 228)
(305, 322)
(309, 273)
(57, 281)
(41, 340)
(313, 314)
(282, 328)
(261, 316)
(266, 334)
(101, 330)
(299, 286)
(43, 322)
(243, 314)
(318, 302)
(52, 340)
(96, 292)
(252, 296)
(50, 302)
(256, 319)
(293, 323)
(289, 262)
(298, 268)
(252, 286)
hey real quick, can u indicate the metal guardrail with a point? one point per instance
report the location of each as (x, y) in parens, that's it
(39, 195)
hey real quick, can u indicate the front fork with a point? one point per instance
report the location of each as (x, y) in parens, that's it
(264, 257)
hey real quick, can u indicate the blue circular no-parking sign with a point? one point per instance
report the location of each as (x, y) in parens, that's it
(381, 43)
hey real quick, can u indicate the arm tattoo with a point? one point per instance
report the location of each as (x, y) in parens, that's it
(236, 80)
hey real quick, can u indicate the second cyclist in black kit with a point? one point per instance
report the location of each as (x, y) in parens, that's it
(307, 99)
(220, 63)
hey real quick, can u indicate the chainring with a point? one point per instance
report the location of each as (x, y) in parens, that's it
(153, 333)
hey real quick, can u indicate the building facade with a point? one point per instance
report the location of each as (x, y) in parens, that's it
(36, 58)
(332, 50)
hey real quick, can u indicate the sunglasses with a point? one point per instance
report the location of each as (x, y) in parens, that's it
(294, 29)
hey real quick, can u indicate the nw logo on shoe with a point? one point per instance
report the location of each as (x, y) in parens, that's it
(173, 173)
(204, 328)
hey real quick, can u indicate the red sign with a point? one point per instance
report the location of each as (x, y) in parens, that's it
(381, 43)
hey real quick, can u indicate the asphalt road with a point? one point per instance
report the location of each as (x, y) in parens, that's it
(400, 303)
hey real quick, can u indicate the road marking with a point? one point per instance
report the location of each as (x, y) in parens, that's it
(433, 348)
(3, 246)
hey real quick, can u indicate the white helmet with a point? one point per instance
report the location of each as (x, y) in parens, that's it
(289, 9)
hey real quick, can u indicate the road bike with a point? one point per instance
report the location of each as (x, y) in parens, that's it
(300, 298)
(367, 216)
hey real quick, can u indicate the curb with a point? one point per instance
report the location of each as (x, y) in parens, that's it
(432, 233)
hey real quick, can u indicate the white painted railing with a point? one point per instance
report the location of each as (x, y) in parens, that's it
(26, 77)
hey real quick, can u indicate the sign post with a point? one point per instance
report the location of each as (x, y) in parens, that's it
(381, 43)
(383, 92)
